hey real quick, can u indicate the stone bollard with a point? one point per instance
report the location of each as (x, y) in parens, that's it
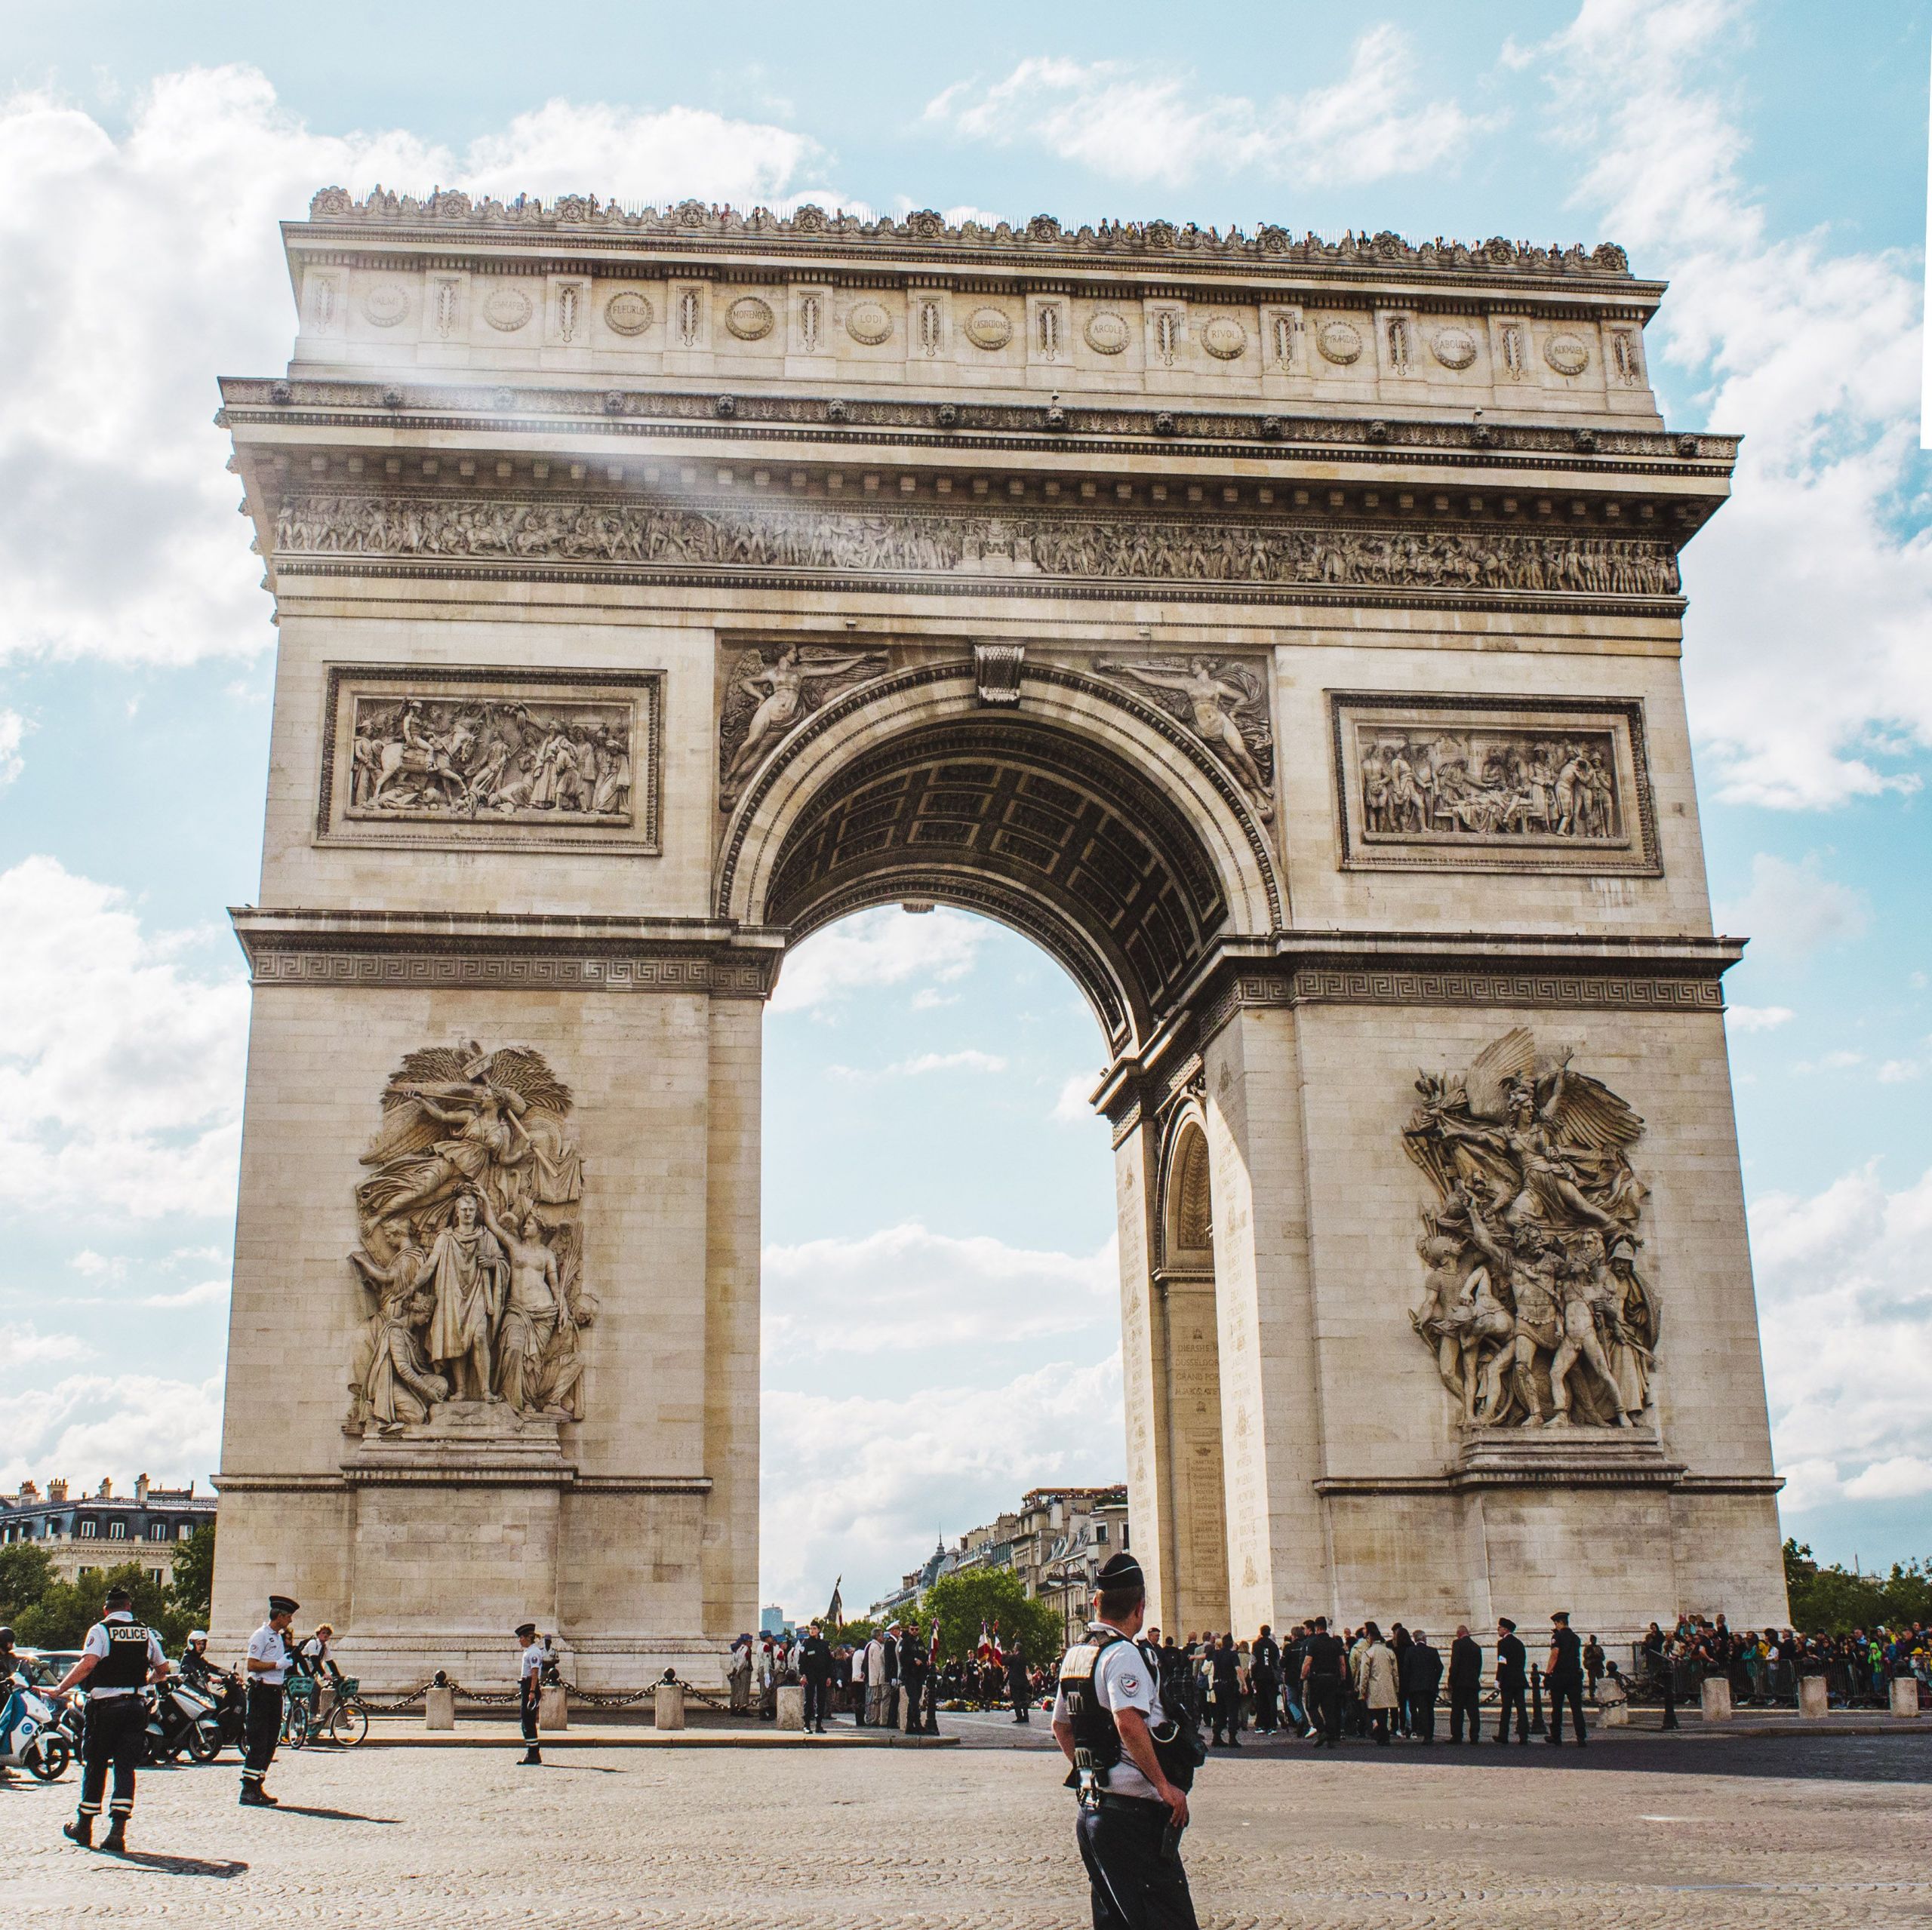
(792, 1706)
(1716, 1699)
(439, 1709)
(553, 1707)
(1614, 1712)
(1814, 1699)
(1905, 1695)
(670, 1711)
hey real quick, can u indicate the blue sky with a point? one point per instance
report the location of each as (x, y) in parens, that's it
(940, 1313)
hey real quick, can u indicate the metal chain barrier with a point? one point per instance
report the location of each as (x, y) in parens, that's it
(394, 1705)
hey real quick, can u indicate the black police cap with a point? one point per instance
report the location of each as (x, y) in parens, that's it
(1121, 1572)
(283, 1605)
(526, 1628)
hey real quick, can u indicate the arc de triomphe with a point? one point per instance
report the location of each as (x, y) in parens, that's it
(1283, 634)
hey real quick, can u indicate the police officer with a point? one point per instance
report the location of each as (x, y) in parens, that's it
(1325, 1662)
(196, 1669)
(1512, 1681)
(117, 1660)
(1564, 1673)
(9, 1661)
(267, 1667)
(529, 1691)
(1107, 1717)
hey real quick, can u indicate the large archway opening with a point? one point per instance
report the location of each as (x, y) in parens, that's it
(1083, 827)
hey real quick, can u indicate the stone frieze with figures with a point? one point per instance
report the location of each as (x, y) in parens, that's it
(490, 758)
(629, 535)
(471, 1264)
(1537, 1306)
(1441, 783)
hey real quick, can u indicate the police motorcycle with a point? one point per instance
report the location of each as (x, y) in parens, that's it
(31, 1736)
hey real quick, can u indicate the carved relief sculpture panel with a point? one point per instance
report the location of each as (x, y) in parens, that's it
(472, 1253)
(1536, 1309)
(1458, 783)
(496, 760)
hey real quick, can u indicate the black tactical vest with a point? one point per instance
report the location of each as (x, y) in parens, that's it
(1097, 1746)
(126, 1664)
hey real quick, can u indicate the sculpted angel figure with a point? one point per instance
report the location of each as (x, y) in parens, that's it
(784, 684)
(1213, 702)
(531, 1311)
(482, 1103)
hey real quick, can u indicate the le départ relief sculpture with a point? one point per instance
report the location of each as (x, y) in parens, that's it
(472, 1248)
(1536, 1310)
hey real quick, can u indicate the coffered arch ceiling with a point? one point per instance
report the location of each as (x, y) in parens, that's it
(1053, 834)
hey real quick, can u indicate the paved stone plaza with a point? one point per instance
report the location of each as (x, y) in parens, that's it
(1700, 1832)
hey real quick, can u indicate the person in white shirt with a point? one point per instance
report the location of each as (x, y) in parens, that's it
(529, 1690)
(1107, 1719)
(267, 1668)
(117, 1661)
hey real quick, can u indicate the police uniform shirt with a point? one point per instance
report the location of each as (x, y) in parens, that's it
(102, 1642)
(265, 1645)
(530, 1663)
(1123, 1679)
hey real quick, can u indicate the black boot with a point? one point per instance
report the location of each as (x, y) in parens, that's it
(115, 1841)
(80, 1831)
(254, 1796)
(532, 1758)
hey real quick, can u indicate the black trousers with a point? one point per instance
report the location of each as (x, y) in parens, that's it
(1134, 1887)
(1512, 1693)
(262, 1732)
(1266, 1719)
(528, 1694)
(1422, 1718)
(1324, 1706)
(113, 1735)
(818, 1701)
(1466, 1704)
(1565, 1691)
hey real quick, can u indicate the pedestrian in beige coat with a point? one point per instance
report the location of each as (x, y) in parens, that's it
(1376, 1681)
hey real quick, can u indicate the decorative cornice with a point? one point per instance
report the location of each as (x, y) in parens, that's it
(510, 1474)
(451, 216)
(1258, 432)
(504, 952)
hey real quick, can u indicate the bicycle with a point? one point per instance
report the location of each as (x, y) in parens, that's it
(346, 1724)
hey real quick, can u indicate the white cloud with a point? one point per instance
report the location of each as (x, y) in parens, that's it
(205, 1295)
(120, 1073)
(885, 947)
(154, 265)
(1847, 1311)
(1758, 1018)
(1804, 663)
(1792, 909)
(1073, 1104)
(90, 1425)
(12, 733)
(22, 1344)
(906, 1289)
(969, 1059)
(1900, 1071)
(1141, 122)
(1840, 1060)
(98, 1266)
(865, 1487)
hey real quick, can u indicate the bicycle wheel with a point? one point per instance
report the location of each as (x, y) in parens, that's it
(349, 1723)
(295, 1726)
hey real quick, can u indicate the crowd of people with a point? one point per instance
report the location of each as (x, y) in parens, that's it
(1323, 1685)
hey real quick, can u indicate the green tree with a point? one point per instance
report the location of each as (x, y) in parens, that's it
(853, 1634)
(963, 1603)
(1837, 1600)
(26, 1573)
(191, 1593)
(66, 1610)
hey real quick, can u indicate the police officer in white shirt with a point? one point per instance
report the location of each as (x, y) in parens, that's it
(1126, 1752)
(117, 1661)
(529, 1691)
(268, 1669)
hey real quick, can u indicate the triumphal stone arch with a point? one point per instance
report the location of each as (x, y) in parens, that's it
(1284, 634)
